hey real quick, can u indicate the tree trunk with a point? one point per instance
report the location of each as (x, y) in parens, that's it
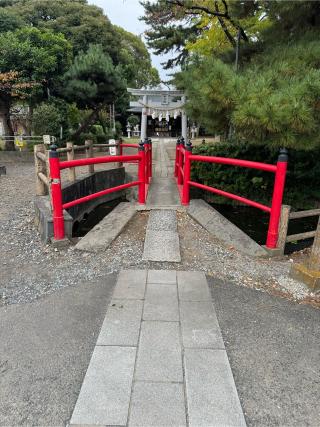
(6, 122)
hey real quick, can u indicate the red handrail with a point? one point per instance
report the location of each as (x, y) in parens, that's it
(182, 170)
(143, 158)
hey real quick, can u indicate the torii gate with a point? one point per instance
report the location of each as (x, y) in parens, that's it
(160, 103)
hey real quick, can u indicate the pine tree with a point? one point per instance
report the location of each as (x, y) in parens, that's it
(94, 82)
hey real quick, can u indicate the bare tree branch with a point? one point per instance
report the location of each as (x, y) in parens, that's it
(195, 8)
(217, 13)
(224, 27)
(237, 26)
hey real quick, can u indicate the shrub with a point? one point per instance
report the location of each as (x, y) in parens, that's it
(302, 184)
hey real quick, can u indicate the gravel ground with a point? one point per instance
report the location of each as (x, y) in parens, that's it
(30, 270)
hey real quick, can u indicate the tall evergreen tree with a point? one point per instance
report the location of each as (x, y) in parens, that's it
(94, 82)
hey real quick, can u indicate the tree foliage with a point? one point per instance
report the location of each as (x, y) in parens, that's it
(82, 25)
(36, 54)
(41, 39)
(274, 97)
(29, 60)
(52, 124)
(93, 82)
(175, 25)
(135, 60)
(303, 170)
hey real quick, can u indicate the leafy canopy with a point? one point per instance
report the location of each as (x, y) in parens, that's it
(93, 80)
(274, 97)
(35, 54)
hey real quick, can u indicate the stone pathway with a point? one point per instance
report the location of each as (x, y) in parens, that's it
(160, 359)
(162, 239)
(163, 190)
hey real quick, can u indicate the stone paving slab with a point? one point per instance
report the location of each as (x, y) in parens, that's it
(157, 404)
(160, 358)
(106, 389)
(163, 191)
(131, 284)
(161, 246)
(121, 325)
(162, 220)
(224, 230)
(159, 355)
(169, 277)
(199, 325)
(161, 303)
(192, 286)
(103, 234)
(212, 397)
(162, 240)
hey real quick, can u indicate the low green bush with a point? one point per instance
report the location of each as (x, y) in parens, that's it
(302, 189)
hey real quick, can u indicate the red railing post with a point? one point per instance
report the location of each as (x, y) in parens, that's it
(141, 174)
(176, 161)
(147, 150)
(186, 175)
(277, 198)
(56, 194)
(150, 157)
(180, 161)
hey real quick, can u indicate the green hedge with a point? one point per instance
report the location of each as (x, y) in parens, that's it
(303, 179)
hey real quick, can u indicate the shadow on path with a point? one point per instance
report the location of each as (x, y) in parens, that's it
(273, 348)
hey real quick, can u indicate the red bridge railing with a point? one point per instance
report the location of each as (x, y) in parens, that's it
(182, 171)
(143, 159)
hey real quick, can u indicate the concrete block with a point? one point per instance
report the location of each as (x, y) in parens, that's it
(161, 303)
(162, 220)
(121, 325)
(212, 397)
(161, 246)
(156, 404)
(108, 229)
(131, 284)
(303, 274)
(199, 325)
(168, 277)
(159, 354)
(105, 393)
(192, 286)
(43, 219)
(82, 187)
(224, 230)
(60, 244)
(199, 210)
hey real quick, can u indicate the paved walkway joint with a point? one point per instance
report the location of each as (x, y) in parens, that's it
(160, 359)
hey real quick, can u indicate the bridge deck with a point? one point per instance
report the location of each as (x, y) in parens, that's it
(160, 359)
(163, 189)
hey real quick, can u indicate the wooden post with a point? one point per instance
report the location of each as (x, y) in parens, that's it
(40, 166)
(89, 154)
(70, 156)
(283, 228)
(118, 142)
(314, 261)
(309, 272)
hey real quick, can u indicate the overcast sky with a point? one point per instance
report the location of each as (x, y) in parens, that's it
(126, 13)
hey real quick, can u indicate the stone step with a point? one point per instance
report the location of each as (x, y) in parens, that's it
(103, 234)
(162, 239)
